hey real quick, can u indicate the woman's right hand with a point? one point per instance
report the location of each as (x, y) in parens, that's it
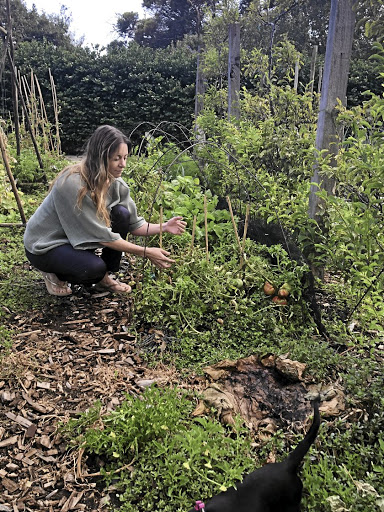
(158, 257)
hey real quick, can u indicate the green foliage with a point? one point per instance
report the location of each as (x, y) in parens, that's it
(8, 206)
(180, 459)
(354, 243)
(274, 139)
(28, 24)
(123, 87)
(214, 309)
(347, 474)
(5, 340)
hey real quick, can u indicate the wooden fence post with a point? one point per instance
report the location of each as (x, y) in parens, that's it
(313, 68)
(234, 71)
(334, 87)
(296, 82)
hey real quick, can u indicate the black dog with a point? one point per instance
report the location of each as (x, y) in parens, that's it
(272, 488)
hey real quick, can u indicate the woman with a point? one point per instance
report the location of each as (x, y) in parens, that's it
(89, 207)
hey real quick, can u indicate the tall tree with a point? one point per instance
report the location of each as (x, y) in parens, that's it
(169, 22)
(126, 24)
(29, 25)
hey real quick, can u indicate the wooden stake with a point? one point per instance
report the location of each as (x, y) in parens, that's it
(296, 81)
(206, 227)
(11, 178)
(161, 227)
(193, 232)
(244, 235)
(233, 222)
(313, 68)
(56, 110)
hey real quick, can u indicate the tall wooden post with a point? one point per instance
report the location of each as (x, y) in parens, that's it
(199, 91)
(234, 71)
(334, 87)
(320, 80)
(313, 68)
(297, 68)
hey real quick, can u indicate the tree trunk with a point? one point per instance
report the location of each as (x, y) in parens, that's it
(334, 87)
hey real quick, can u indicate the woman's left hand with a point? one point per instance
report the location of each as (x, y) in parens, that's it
(175, 226)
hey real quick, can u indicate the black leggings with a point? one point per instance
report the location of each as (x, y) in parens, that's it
(84, 267)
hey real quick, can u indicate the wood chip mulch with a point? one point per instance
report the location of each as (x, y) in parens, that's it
(63, 359)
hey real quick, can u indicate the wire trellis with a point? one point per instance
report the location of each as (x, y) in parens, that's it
(190, 147)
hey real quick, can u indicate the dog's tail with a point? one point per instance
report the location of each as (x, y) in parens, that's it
(294, 458)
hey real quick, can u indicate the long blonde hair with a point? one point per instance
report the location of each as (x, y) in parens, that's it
(93, 168)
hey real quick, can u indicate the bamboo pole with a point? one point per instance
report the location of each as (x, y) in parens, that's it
(10, 176)
(56, 111)
(161, 227)
(26, 115)
(47, 136)
(206, 227)
(33, 111)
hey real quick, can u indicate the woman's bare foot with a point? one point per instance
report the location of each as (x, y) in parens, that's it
(55, 286)
(112, 285)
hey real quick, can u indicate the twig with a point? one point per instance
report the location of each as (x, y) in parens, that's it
(107, 473)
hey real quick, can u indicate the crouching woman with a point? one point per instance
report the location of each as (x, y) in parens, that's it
(89, 207)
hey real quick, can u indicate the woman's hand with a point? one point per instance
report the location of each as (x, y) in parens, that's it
(175, 226)
(158, 257)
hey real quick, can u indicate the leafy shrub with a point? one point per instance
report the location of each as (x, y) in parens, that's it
(179, 459)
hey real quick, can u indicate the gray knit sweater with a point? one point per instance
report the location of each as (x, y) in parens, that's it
(59, 221)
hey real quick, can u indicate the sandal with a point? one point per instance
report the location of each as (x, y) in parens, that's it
(113, 286)
(56, 288)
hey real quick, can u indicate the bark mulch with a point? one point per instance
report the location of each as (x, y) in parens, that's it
(64, 358)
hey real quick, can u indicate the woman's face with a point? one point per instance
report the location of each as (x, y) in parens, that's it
(117, 162)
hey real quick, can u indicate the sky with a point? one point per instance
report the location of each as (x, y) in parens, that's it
(92, 19)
